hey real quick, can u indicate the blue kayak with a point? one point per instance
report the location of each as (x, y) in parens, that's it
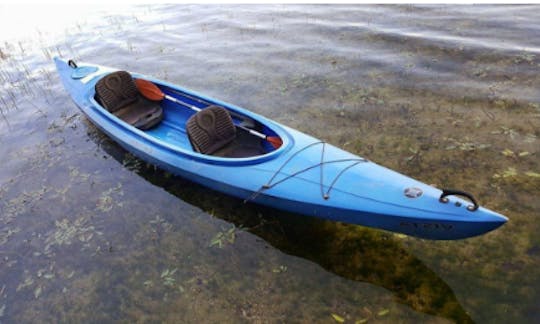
(229, 149)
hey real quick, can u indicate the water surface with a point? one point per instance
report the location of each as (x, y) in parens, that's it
(446, 94)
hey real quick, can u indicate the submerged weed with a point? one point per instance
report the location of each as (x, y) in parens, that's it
(508, 173)
(466, 145)
(167, 277)
(106, 201)
(222, 238)
(131, 162)
(67, 232)
(280, 269)
(6, 233)
(507, 131)
(338, 318)
(532, 174)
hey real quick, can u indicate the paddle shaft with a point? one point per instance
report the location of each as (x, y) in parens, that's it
(173, 99)
(195, 108)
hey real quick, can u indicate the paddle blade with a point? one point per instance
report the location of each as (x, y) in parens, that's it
(149, 90)
(275, 141)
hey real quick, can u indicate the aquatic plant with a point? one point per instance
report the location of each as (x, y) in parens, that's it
(224, 237)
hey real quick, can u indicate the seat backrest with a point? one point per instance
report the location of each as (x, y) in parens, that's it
(116, 90)
(210, 129)
(118, 93)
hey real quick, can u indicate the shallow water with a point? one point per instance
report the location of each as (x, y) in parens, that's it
(446, 94)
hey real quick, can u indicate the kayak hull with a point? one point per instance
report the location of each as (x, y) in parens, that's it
(304, 175)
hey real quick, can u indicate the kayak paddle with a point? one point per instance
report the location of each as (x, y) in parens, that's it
(150, 91)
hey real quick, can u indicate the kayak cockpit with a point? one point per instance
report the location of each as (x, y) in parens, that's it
(183, 120)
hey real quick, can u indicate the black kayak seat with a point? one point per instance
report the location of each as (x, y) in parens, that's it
(211, 131)
(118, 94)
